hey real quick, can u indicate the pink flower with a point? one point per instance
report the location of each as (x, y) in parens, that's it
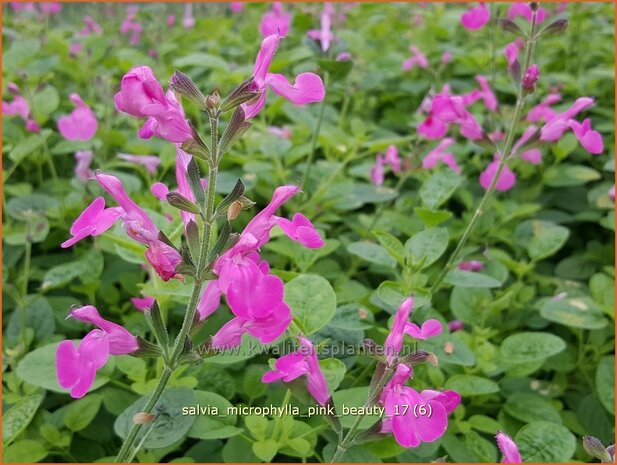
(542, 111)
(430, 328)
(276, 21)
(394, 340)
(254, 296)
(23, 6)
(508, 448)
(472, 265)
(533, 156)
(432, 128)
(324, 35)
(438, 154)
(76, 368)
(81, 124)
(531, 77)
(82, 169)
(506, 180)
(75, 48)
(343, 56)
(171, 20)
(611, 192)
(302, 362)
(32, 126)
(94, 220)
(188, 21)
(392, 158)
(377, 171)
(449, 109)
(150, 162)
(415, 417)
(90, 27)
(141, 95)
(283, 133)
(455, 325)
(308, 87)
(487, 94)
(476, 18)
(417, 59)
(18, 106)
(446, 57)
(523, 9)
(182, 162)
(159, 190)
(555, 127)
(236, 7)
(142, 303)
(50, 8)
(590, 140)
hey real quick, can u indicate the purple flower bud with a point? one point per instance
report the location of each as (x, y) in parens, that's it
(531, 77)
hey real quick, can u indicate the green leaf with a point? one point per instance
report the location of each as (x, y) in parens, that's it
(171, 424)
(24, 451)
(87, 268)
(483, 448)
(462, 278)
(458, 353)
(372, 253)
(528, 407)
(391, 244)
(213, 426)
(334, 371)
(353, 317)
(576, 312)
(45, 101)
(468, 304)
(29, 145)
(432, 218)
(530, 347)
(484, 424)
(439, 188)
(354, 397)
(429, 245)
(39, 369)
(605, 382)
(39, 317)
(570, 175)
(257, 425)
(266, 449)
(543, 441)
(17, 418)
(312, 301)
(471, 385)
(541, 238)
(80, 413)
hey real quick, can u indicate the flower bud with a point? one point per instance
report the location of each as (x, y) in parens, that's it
(530, 78)
(596, 449)
(213, 100)
(556, 27)
(234, 210)
(510, 26)
(141, 418)
(183, 85)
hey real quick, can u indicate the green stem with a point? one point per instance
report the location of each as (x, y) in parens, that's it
(314, 139)
(520, 101)
(351, 434)
(23, 317)
(126, 452)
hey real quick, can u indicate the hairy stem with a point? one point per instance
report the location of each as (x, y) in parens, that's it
(351, 434)
(520, 101)
(126, 453)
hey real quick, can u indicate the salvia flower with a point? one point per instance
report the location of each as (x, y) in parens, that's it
(282, 132)
(308, 87)
(394, 340)
(303, 362)
(508, 449)
(77, 367)
(417, 59)
(475, 18)
(524, 10)
(82, 168)
(50, 8)
(377, 171)
(455, 325)
(507, 178)
(142, 95)
(236, 7)
(188, 21)
(531, 77)
(438, 154)
(324, 35)
(555, 127)
(275, 21)
(445, 110)
(543, 110)
(415, 417)
(471, 265)
(254, 296)
(142, 303)
(590, 140)
(81, 124)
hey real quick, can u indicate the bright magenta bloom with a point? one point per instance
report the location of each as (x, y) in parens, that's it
(141, 95)
(476, 18)
(142, 303)
(394, 340)
(523, 9)
(506, 180)
(543, 110)
(590, 140)
(324, 35)
(560, 122)
(308, 87)
(94, 220)
(438, 154)
(254, 296)
(472, 265)
(18, 106)
(415, 417)
(275, 21)
(531, 77)
(449, 109)
(81, 124)
(76, 368)
(508, 448)
(301, 362)
(430, 328)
